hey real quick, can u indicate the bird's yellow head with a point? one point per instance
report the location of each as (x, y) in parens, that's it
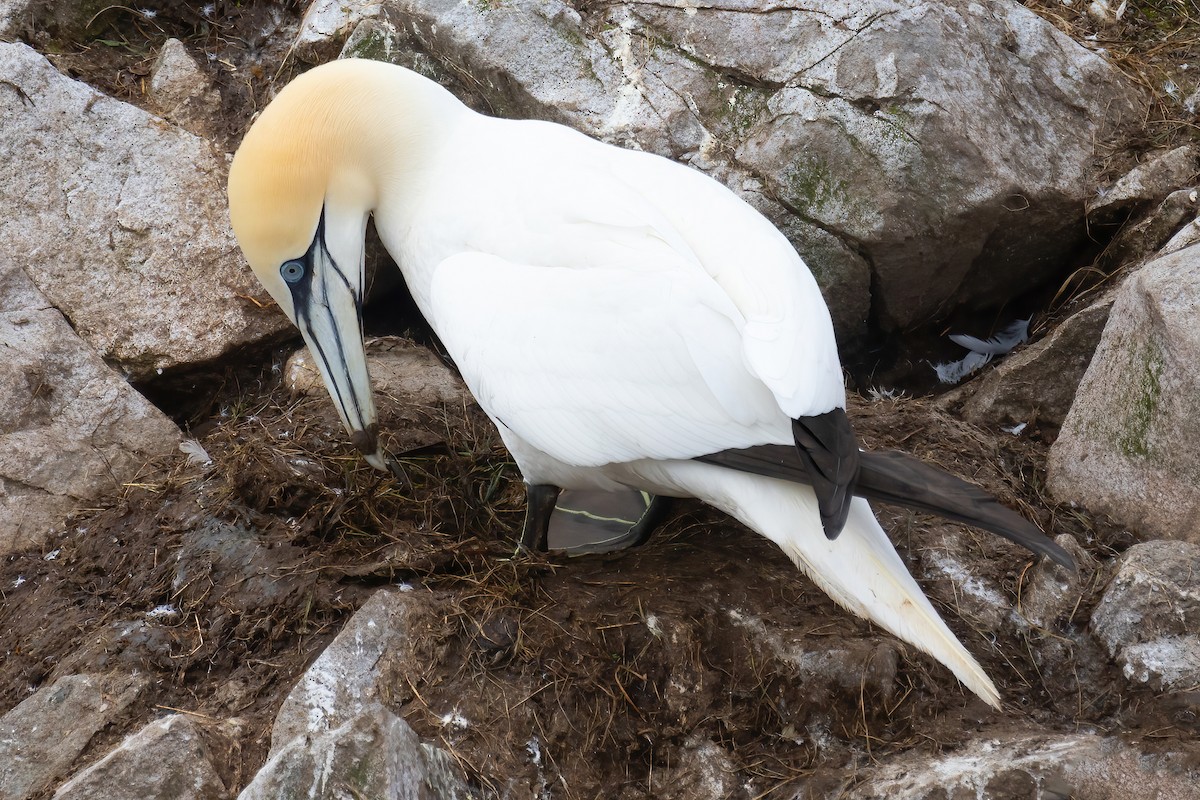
(301, 187)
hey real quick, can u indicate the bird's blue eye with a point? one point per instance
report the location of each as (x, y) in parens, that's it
(292, 271)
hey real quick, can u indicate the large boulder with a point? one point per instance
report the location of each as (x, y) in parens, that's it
(71, 429)
(41, 738)
(120, 220)
(168, 759)
(918, 154)
(344, 680)
(334, 738)
(373, 754)
(1130, 446)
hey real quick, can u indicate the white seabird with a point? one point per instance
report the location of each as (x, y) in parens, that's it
(624, 320)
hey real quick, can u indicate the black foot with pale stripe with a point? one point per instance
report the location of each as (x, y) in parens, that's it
(539, 505)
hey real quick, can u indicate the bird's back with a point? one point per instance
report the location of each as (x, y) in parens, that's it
(541, 195)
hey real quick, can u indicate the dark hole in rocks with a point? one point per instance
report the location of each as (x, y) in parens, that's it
(902, 360)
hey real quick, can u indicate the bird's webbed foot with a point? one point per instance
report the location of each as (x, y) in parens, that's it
(539, 505)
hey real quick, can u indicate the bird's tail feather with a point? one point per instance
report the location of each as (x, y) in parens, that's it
(860, 570)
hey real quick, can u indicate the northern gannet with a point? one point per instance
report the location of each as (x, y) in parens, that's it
(624, 320)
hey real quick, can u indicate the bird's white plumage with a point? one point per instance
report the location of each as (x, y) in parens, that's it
(539, 195)
(615, 313)
(604, 365)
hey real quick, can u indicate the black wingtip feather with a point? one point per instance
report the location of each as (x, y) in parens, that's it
(827, 446)
(900, 479)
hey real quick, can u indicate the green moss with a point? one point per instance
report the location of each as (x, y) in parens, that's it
(811, 185)
(738, 110)
(374, 45)
(363, 775)
(571, 36)
(897, 121)
(1133, 435)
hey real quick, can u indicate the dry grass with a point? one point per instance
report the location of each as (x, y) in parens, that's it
(613, 669)
(1155, 43)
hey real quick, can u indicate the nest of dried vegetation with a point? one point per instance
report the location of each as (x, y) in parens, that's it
(613, 669)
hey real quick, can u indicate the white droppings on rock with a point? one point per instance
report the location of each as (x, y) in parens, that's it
(968, 583)
(1148, 615)
(1172, 660)
(321, 688)
(630, 93)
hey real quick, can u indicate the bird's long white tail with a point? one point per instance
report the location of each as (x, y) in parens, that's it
(860, 569)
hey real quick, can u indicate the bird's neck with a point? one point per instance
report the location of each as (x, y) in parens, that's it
(400, 128)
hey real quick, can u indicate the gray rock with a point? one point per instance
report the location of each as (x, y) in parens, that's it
(1052, 592)
(71, 430)
(180, 91)
(1038, 382)
(1037, 765)
(326, 22)
(120, 220)
(1130, 446)
(1149, 616)
(377, 38)
(343, 682)
(877, 123)
(405, 372)
(892, 134)
(333, 738)
(373, 754)
(10, 13)
(1151, 180)
(1141, 237)
(843, 275)
(169, 759)
(1186, 236)
(41, 738)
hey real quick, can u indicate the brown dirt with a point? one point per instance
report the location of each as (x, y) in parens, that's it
(610, 669)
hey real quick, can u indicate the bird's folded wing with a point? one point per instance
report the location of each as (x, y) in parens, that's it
(603, 365)
(600, 207)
